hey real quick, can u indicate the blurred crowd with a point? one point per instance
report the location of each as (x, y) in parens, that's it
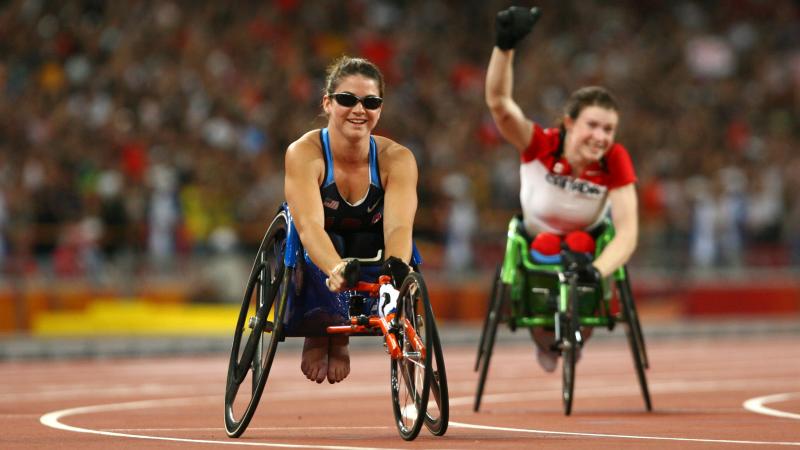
(144, 134)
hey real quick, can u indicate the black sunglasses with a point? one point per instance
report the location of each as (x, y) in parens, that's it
(349, 100)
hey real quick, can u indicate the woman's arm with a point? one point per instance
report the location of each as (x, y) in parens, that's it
(304, 169)
(507, 115)
(399, 201)
(625, 215)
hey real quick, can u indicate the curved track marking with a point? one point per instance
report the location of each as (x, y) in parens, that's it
(616, 436)
(756, 405)
(53, 420)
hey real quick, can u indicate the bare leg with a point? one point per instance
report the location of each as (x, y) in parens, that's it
(338, 358)
(586, 333)
(545, 356)
(314, 363)
(543, 339)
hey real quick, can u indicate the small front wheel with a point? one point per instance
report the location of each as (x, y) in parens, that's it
(569, 345)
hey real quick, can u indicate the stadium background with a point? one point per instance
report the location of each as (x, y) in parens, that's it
(141, 147)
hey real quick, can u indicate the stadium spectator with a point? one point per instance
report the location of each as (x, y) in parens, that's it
(88, 87)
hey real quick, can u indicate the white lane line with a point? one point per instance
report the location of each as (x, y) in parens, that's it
(109, 391)
(756, 405)
(53, 420)
(632, 389)
(617, 436)
(153, 389)
(303, 428)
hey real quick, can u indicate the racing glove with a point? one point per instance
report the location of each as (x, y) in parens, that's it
(581, 265)
(397, 269)
(513, 24)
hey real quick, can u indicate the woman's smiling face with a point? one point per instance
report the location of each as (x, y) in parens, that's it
(591, 134)
(353, 121)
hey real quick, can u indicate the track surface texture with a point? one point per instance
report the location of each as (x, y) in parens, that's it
(708, 392)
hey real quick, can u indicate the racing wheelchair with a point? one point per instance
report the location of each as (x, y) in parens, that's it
(527, 294)
(418, 381)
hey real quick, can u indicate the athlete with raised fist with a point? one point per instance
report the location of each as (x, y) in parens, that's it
(571, 176)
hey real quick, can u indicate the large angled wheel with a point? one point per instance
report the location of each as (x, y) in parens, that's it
(633, 331)
(496, 304)
(411, 373)
(624, 286)
(258, 329)
(570, 329)
(437, 414)
(495, 286)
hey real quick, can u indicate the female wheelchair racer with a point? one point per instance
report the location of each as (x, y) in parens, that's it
(273, 310)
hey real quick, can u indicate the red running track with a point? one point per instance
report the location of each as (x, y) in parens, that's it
(699, 388)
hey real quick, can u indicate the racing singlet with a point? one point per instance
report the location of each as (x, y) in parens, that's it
(558, 201)
(356, 229)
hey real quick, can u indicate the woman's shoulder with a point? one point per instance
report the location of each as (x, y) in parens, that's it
(310, 137)
(617, 150)
(390, 148)
(307, 143)
(392, 154)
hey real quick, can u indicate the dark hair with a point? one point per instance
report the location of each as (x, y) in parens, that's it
(588, 96)
(345, 66)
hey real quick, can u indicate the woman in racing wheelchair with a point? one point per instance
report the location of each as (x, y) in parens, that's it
(570, 176)
(351, 195)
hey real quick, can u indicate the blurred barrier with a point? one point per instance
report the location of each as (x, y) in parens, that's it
(738, 298)
(135, 317)
(164, 308)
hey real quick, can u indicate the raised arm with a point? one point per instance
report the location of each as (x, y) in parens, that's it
(304, 169)
(507, 115)
(624, 212)
(511, 25)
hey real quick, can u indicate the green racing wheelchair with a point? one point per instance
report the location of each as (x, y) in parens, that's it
(528, 294)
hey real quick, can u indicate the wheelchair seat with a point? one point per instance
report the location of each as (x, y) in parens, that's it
(534, 284)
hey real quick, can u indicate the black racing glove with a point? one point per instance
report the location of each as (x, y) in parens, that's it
(397, 269)
(351, 272)
(581, 265)
(513, 24)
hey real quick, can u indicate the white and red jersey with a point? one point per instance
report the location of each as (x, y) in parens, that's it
(556, 200)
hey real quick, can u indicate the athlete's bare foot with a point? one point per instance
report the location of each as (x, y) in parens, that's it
(314, 363)
(338, 359)
(545, 355)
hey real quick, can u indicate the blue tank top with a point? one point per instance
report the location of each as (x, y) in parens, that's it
(356, 229)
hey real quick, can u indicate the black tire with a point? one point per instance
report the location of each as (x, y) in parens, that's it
(259, 327)
(490, 305)
(410, 374)
(437, 413)
(625, 289)
(493, 319)
(633, 331)
(569, 345)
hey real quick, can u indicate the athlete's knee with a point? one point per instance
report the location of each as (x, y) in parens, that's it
(580, 241)
(546, 244)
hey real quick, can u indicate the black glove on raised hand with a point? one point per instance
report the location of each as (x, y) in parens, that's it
(397, 269)
(581, 265)
(513, 24)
